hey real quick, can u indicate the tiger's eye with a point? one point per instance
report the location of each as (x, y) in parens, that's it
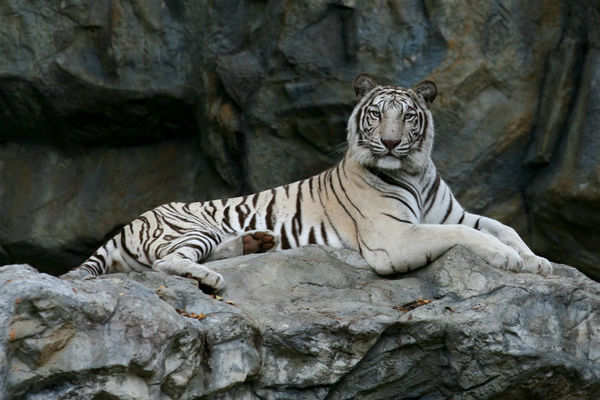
(375, 114)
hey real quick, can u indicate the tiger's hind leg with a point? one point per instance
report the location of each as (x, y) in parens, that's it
(185, 259)
(258, 242)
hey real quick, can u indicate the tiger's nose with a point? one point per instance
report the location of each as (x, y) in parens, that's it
(390, 144)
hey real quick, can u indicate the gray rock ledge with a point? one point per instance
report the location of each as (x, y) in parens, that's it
(310, 323)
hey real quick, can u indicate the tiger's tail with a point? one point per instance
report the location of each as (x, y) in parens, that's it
(98, 263)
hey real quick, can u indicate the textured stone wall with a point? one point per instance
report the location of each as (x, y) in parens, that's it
(108, 108)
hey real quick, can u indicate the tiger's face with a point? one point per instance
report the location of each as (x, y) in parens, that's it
(390, 126)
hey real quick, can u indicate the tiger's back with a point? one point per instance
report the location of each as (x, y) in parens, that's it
(293, 213)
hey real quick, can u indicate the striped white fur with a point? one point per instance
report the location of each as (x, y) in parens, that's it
(384, 199)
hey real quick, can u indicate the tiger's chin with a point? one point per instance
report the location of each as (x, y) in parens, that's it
(388, 162)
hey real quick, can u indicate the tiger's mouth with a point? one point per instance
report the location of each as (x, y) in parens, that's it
(391, 155)
(398, 152)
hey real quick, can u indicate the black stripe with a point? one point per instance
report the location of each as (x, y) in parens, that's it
(180, 230)
(127, 250)
(326, 177)
(269, 215)
(347, 212)
(101, 262)
(361, 112)
(320, 190)
(252, 224)
(297, 218)
(324, 233)
(239, 209)
(422, 116)
(462, 217)
(177, 214)
(357, 120)
(387, 179)
(412, 190)
(156, 235)
(449, 210)
(477, 223)
(212, 210)
(424, 130)
(191, 245)
(212, 235)
(359, 117)
(91, 266)
(226, 225)
(401, 200)
(345, 193)
(243, 211)
(285, 244)
(311, 236)
(142, 230)
(395, 182)
(396, 218)
(327, 218)
(432, 192)
(226, 219)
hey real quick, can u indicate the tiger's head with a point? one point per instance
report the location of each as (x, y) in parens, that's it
(391, 127)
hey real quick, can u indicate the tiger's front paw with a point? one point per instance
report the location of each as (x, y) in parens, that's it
(508, 260)
(208, 286)
(537, 265)
(500, 256)
(208, 280)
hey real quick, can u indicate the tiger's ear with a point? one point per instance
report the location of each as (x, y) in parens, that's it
(427, 89)
(362, 84)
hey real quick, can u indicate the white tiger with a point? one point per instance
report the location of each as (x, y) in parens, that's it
(384, 199)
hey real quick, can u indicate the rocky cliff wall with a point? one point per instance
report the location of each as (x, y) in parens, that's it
(108, 108)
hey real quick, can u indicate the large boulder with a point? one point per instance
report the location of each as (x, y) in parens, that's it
(264, 87)
(312, 323)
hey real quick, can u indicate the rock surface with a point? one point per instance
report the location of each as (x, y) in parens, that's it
(254, 94)
(310, 323)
